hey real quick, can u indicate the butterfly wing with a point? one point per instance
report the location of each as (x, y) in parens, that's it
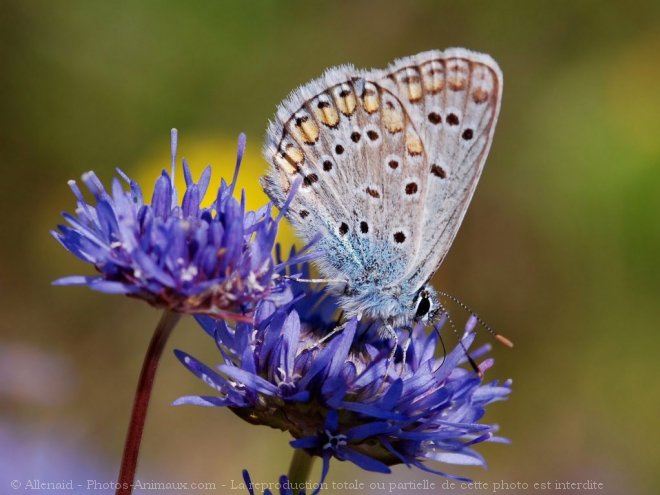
(454, 98)
(362, 166)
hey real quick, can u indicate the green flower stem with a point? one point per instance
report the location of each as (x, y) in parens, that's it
(299, 469)
(167, 322)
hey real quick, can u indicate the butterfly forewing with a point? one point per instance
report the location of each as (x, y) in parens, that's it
(453, 98)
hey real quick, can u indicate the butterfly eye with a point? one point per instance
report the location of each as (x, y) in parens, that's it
(424, 305)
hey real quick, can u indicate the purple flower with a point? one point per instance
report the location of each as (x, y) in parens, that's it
(216, 261)
(339, 398)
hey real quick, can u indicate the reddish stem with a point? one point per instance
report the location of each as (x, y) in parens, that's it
(129, 460)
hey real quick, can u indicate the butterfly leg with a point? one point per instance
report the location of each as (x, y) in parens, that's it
(332, 333)
(404, 349)
(388, 330)
(314, 280)
(338, 329)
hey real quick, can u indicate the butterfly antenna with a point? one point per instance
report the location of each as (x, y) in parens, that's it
(500, 338)
(472, 362)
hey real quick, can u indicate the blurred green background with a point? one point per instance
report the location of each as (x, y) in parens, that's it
(559, 250)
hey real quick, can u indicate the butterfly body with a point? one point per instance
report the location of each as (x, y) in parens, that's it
(388, 161)
(394, 304)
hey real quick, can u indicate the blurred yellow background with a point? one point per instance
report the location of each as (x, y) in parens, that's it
(559, 250)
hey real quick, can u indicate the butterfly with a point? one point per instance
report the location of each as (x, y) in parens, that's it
(388, 161)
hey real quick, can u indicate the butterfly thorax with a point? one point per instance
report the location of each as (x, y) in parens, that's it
(396, 305)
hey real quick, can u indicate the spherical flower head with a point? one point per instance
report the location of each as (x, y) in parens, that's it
(182, 257)
(339, 398)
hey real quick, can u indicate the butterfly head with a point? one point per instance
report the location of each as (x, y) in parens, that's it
(425, 305)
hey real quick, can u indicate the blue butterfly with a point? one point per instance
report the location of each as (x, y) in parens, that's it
(389, 160)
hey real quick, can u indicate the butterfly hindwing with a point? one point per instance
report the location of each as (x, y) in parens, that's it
(362, 166)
